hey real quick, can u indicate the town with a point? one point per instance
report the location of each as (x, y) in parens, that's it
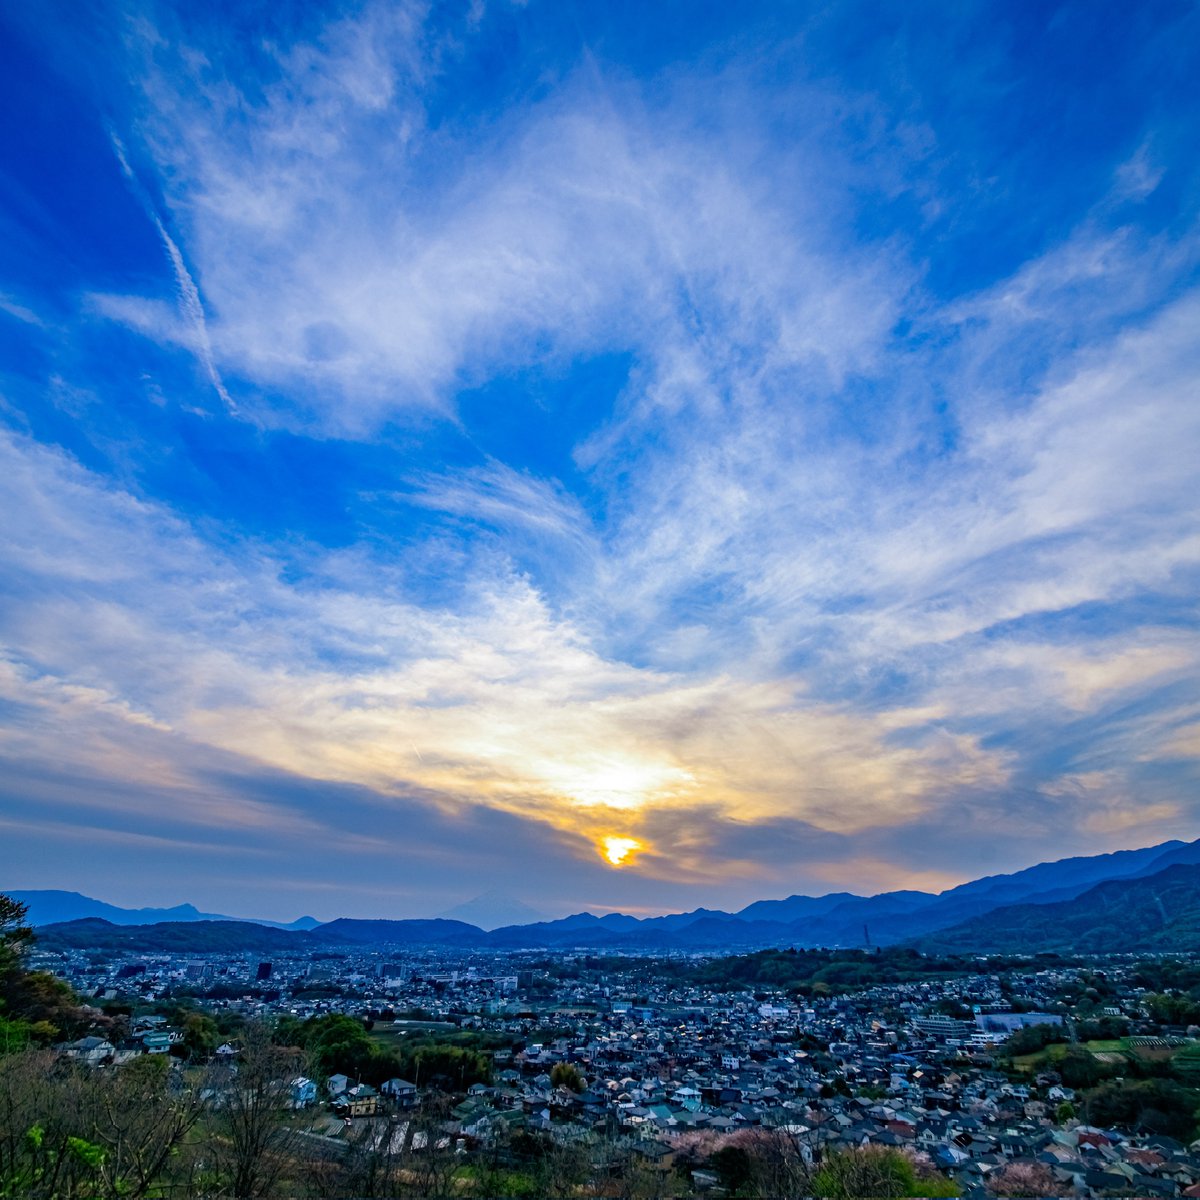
(472, 1071)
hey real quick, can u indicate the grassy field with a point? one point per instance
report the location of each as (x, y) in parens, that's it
(1105, 1051)
(388, 1035)
(1109, 1051)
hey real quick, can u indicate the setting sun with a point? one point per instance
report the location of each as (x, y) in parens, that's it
(618, 849)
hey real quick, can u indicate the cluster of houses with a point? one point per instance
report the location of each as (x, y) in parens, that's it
(906, 1065)
(147, 1035)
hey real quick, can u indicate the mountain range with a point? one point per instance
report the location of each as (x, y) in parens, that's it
(49, 907)
(1055, 906)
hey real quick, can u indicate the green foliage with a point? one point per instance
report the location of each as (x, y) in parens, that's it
(1168, 974)
(1185, 1066)
(875, 1171)
(336, 1043)
(1080, 1069)
(734, 1166)
(567, 1075)
(15, 934)
(1172, 1009)
(201, 1036)
(448, 1067)
(15, 1035)
(1102, 1029)
(1145, 1106)
(85, 1152)
(1031, 1039)
(70, 1133)
(35, 1006)
(341, 1043)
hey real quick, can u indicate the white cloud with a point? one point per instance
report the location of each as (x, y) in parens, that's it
(369, 263)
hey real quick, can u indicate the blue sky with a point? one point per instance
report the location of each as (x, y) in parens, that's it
(448, 447)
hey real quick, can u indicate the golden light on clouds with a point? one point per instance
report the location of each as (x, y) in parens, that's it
(617, 850)
(615, 781)
(616, 742)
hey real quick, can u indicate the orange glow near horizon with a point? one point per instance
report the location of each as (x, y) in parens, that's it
(616, 850)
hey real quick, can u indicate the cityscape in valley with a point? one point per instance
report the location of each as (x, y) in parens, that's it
(599, 600)
(1036, 1034)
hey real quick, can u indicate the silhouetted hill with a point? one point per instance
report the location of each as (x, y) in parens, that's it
(348, 931)
(182, 937)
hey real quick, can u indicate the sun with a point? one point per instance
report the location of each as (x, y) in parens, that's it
(618, 849)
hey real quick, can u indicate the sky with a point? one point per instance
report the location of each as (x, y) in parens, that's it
(609, 455)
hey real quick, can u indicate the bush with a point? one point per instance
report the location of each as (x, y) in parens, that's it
(876, 1171)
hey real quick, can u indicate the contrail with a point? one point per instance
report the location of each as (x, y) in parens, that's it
(189, 294)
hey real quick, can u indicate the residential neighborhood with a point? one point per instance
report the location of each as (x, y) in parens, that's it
(638, 1056)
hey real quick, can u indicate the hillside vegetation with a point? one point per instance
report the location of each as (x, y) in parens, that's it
(1158, 913)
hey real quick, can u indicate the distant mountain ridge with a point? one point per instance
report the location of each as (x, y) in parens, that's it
(837, 919)
(49, 907)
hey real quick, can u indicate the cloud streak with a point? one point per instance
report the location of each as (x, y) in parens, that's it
(191, 306)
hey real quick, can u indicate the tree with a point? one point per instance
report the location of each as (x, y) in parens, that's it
(734, 1167)
(560, 1168)
(137, 1119)
(778, 1162)
(251, 1095)
(1079, 1068)
(1145, 1106)
(567, 1075)
(1031, 1039)
(15, 934)
(876, 1171)
(34, 1005)
(67, 1130)
(427, 1157)
(1024, 1179)
(200, 1036)
(15, 1033)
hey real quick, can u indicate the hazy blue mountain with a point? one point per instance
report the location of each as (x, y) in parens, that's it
(49, 907)
(892, 918)
(493, 910)
(1066, 873)
(707, 931)
(1159, 912)
(796, 908)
